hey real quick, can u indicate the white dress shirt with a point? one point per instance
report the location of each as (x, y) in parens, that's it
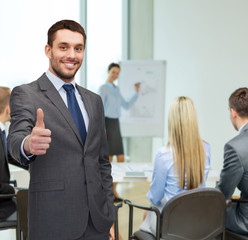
(58, 84)
(2, 126)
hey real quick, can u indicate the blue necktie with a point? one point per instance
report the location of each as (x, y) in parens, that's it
(5, 141)
(75, 111)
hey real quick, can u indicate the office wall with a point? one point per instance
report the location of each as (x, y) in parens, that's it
(205, 44)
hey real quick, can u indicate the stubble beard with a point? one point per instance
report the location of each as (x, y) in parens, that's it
(59, 72)
(63, 76)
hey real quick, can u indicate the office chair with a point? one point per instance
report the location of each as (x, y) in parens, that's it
(236, 236)
(22, 213)
(116, 226)
(194, 214)
(9, 223)
(13, 182)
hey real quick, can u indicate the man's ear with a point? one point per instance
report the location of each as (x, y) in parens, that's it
(48, 51)
(6, 113)
(234, 113)
(7, 109)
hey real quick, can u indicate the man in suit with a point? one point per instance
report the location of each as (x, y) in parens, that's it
(235, 168)
(59, 131)
(7, 206)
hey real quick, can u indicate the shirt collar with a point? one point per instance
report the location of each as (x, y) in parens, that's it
(240, 129)
(2, 126)
(56, 81)
(110, 84)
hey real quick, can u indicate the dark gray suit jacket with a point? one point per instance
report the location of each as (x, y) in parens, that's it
(235, 174)
(71, 180)
(5, 188)
(7, 206)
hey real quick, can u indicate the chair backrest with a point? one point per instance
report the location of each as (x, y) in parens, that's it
(194, 214)
(11, 221)
(22, 207)
(234, 236)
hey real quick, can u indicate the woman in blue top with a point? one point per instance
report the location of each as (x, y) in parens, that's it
(181, 165)
(112, 102)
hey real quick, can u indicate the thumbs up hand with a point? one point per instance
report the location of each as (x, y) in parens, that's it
(40, 119)
(39, 140)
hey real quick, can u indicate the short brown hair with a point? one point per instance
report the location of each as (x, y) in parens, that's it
(4, 98)
(64, 24)
(239, 101)
(111, 65)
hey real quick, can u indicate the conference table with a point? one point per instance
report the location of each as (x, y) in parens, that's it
(140, 171)
(121, 172)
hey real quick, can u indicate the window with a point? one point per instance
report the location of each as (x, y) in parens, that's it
(104, 39)
(23, 30)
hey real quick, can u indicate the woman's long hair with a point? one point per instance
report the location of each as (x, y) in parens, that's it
(187, 145)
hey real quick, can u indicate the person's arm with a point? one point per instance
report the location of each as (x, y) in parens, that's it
(207, 162)
(127, 104)
(26, 122)
(12, 161)
(6, 188)
(103, 94)
(231, 173)
(159, 178)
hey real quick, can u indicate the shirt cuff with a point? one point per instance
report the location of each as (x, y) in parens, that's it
(22, 150)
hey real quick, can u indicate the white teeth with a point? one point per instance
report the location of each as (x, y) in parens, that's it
(70, 65)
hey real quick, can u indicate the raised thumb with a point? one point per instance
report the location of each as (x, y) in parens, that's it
(40, 117)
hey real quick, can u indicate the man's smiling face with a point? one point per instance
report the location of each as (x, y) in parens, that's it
(66, 54)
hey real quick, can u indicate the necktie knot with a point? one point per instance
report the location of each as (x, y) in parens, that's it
(68, 87)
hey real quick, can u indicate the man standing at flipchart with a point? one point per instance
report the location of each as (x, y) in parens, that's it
(57, 128)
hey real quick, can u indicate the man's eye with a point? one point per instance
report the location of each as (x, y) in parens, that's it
(63, 48)
(79, 49)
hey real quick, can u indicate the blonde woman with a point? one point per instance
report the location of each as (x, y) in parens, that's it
(181, 165)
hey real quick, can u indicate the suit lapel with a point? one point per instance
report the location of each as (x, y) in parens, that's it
(51, 92)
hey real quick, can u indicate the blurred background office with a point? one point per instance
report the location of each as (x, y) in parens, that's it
(204, 44)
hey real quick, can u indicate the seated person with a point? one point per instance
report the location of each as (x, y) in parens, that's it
(235, 168)
(181, 165)
(7, 206)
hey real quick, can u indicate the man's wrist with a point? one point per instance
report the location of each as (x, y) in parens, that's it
(24, 145)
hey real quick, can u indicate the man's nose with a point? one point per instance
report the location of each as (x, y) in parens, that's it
(71, 53)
